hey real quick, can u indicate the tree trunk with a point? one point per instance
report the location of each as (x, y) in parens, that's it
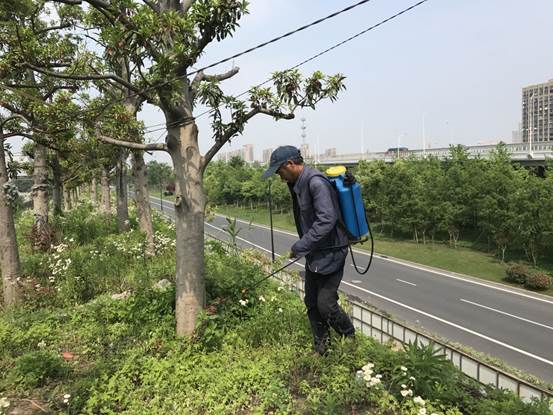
(9, 251)
(74, 196)
(93, 192)
(142, 198)
(41, 230)
(106, 204)
(189, 212)
(121, 194)
(67, 199)
(57, 186)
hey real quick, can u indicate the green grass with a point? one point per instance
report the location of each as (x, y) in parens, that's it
(157, 193)
(461, 260)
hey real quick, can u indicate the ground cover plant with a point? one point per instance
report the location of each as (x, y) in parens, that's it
(96, 335)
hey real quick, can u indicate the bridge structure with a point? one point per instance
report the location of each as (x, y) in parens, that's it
(536, 154)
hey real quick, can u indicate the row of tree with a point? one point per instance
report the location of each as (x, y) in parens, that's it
(503, 205)
(73, 76)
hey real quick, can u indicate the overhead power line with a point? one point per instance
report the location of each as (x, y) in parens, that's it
(349, 39)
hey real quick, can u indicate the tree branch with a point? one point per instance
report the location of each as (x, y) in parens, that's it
(236, 127)
(151, 5)
(89, 77)
(201, 76)
(135, 146)
(60, 27)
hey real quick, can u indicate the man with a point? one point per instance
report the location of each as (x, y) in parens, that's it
(322, 241)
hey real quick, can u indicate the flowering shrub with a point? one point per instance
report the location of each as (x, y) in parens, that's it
(517, 273)
(538, 281)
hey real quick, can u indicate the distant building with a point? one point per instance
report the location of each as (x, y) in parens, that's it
(537, 114)
(305, 152)
(248, 153)
(245, 153)
(266, 155)
(330, 152)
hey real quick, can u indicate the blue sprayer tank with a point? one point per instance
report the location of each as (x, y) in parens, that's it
(351, 202)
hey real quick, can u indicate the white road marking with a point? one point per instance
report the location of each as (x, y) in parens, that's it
(457, 326)
(424, 313)
(356, 281)
(406, 282)
(507, 314)
(421, 268)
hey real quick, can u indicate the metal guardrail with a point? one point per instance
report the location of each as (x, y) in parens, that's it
(384, 329)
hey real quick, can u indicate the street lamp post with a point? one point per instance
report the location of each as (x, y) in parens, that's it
(161, 192)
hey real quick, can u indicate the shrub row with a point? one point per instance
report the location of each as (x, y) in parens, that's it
(521, 274)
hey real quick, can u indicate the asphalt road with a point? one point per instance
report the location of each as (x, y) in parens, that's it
(512, 325)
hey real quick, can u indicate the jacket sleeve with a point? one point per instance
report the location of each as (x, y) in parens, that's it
(325, 217)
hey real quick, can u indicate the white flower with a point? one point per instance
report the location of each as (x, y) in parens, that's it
(280, 288)
(411, 378)
(280, 310)
(374, 381)
(405, 392)
(403, 369)
(243, 302)
(4, 403)
(368, 366)
(378, 376)
(261, 298)
(419, 401)
(41, 344)
(403, 386)
(422, 411)
(66, 396)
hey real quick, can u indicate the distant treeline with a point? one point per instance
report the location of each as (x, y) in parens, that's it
(493, 202)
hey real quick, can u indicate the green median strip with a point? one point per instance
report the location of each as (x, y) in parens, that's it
(459, 260)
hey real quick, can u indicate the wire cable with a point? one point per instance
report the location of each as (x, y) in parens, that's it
(349, 39)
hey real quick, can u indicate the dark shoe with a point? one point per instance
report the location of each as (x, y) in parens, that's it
(320, 345)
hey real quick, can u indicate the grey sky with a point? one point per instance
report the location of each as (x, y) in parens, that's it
(460, 64)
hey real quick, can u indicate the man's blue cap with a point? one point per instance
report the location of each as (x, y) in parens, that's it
(280, 156)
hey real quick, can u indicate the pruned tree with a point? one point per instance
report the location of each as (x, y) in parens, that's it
(163, 39)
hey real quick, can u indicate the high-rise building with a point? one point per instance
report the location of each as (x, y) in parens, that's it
(266, 155)
(245, 153)
(248, 153)
(537, 114)
(304, 150)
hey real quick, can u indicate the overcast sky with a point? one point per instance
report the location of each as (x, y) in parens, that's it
(458, 64)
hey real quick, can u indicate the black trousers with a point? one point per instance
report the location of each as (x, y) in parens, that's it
(323, 311)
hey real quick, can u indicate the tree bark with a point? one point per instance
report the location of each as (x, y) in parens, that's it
(121, 194)
(104, 181)
(57, 186)
(41, 229)
(66, 199)
(189, 212)
(142, 198)
(93, 192)
(73, 196)
(9, 251)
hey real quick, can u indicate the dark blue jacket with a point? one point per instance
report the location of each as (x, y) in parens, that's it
(316, 212)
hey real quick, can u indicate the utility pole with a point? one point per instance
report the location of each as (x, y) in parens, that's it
(423, 137)
(303, 135)
(161, 191)
(271, 221)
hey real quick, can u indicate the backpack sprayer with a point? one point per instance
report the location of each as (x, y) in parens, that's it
(353, 219)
